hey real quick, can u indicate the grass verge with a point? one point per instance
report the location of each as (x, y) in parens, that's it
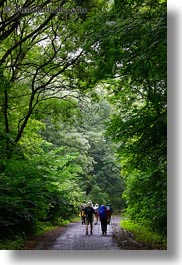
(144, 235)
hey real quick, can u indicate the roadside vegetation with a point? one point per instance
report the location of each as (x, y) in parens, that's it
(83, 112)
(145, 235)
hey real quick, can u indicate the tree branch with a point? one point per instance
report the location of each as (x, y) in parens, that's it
(38, 29)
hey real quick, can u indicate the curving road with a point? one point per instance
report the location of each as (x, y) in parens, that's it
(75, 238)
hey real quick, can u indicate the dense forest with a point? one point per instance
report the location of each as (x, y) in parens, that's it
(83, 110)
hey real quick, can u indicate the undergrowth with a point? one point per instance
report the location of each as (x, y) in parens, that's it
(12, 244)
(17, 242)
(145, 235)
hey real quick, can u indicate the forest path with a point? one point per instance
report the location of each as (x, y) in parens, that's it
(75, 238)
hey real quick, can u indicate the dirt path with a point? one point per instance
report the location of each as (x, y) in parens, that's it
(75, 238)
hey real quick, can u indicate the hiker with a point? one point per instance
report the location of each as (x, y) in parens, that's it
(103, 218)
(96, 217)
(109, 213)
(82, 213)
(89, 212)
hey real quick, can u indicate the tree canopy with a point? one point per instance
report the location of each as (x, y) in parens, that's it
(83, 110)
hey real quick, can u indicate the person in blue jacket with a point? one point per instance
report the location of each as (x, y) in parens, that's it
(103, 218)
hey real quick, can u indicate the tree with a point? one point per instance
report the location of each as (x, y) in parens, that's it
(37, 56)
(84, 133)
(70, 86)
(130, 53)
(141, 124)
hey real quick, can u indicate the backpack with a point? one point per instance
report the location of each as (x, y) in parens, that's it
(109, 212)
(102, 212)
(89, 212)
(83, 213)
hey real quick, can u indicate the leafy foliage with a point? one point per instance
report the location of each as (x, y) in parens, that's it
(141, 122)
(42, 188)
(70, 84)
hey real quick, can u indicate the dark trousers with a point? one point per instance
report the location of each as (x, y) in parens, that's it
(83, 219)
(103, 225)
(89, 221)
